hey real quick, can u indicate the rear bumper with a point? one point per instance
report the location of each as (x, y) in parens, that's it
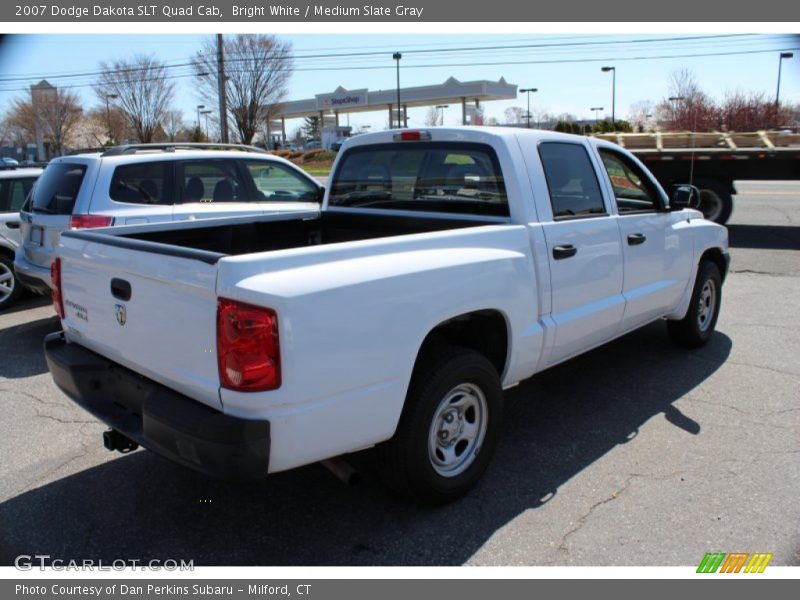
(33, 277)
(158, 418)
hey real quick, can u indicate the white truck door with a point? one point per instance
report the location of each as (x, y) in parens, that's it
(584, 252)
(657, 257)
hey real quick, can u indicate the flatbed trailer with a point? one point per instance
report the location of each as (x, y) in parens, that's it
(714, 161)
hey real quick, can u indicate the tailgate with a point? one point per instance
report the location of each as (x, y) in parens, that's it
(165, 330)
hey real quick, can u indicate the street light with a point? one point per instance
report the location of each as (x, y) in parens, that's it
(613, 94)
(108, 113)
(528, 92)
(397, 56)
(675, 100)
(199, 106)
(596, 109)
(206, 112)
(442, 107)
(778, 92)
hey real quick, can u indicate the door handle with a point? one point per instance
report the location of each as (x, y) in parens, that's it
(121, 289)
(12, 224)
(635, 239)
(564, 251)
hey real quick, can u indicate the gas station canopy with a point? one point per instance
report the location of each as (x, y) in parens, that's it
(363, 100)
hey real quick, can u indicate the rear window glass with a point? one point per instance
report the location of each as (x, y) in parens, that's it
(422, 176)
(571, 180)
(57, 188)
(213, 181)
(141, 183)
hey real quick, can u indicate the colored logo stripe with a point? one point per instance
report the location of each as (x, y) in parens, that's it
(734, 562)
(711, 562)
(758, 563)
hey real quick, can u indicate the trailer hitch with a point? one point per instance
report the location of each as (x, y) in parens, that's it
(114, 440)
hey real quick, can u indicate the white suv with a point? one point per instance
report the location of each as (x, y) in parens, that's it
(15, 185)
(149, 183)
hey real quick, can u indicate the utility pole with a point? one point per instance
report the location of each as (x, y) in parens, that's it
(397, 56)
(223, 104)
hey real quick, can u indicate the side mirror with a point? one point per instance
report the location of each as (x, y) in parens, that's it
(685, 196)
(321, 195)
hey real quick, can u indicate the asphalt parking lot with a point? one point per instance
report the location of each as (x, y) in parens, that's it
(637, 453)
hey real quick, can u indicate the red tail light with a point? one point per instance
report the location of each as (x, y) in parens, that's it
(248, 350)
(89, 221)
(58, 297)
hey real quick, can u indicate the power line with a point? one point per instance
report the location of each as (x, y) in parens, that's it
(194, 60)
(470, 64)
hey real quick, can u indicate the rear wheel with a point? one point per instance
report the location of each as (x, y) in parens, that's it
(10, 287)
(697, 327)
(449, 427)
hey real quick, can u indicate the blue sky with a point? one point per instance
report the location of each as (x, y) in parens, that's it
(568, 76)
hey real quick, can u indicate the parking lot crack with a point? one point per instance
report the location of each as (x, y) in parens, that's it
(47, 475)
(691, 398)
(30, 396)
(63, 421)
(763, 368)
(756, 272)
(562, 546)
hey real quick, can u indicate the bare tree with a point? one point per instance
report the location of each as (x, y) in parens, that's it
(687, 107)
(640, 115)
(743, 111)
(143, 92)
(257, 70)
(173, 124)
(515, 115)
(100, 128)
(54, 116)
(432, 117)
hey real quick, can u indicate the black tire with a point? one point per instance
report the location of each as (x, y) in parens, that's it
(716, 201)
(8, 280)
(445, 378)
(697, 327)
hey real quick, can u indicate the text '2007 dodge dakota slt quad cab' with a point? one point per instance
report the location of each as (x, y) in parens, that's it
(444, 266)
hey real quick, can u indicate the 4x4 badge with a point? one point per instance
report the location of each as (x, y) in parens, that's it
(121, 312)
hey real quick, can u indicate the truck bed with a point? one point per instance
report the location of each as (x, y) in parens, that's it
(214, 241)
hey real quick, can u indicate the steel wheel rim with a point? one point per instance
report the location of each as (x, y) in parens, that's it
(706, 305)
(710, 204)
(457, 430)
(6, 282)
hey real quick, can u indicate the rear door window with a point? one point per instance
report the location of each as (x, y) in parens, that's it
(142, 183)
(20, 188)
(571, 180)
(446, 177)
(13, 193)
(277, 183)
(57, 188)
(213, 181)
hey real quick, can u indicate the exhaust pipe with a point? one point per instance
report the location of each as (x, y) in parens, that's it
(114, 440)
(342, 470)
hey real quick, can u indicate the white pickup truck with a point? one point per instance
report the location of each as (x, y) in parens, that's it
(444, 266)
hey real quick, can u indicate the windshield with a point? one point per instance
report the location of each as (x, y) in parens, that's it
(422, 176)
(57, 188)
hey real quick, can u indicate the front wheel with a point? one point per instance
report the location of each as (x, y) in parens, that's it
(449, 427)
(697, 327)
(10, 287)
